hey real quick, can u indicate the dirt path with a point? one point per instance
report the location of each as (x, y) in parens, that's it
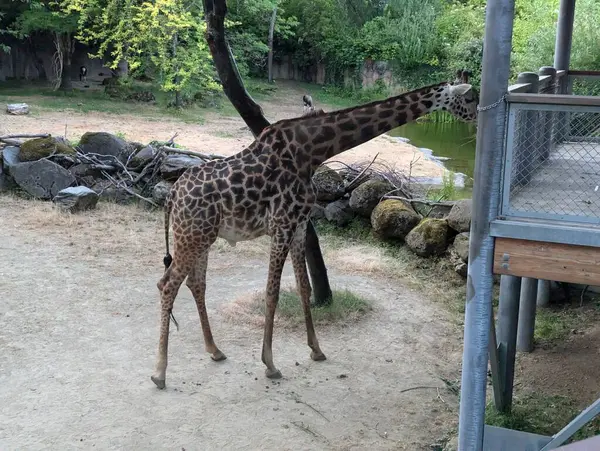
(79, 317)
(218, 134)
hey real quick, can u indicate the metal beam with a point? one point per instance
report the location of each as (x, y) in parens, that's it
(564, 35)
(486, 196)
(527, 305)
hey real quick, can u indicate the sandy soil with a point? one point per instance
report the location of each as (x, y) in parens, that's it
(218, 134)
(79, 317)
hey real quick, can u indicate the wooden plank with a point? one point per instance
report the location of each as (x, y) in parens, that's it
(554, 99)
(547, 261)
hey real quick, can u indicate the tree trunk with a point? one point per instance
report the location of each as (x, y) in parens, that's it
(251, 113)
(177, 91)
(271, 31)
(66, 84)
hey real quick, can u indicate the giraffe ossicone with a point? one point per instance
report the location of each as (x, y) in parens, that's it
(266, 189)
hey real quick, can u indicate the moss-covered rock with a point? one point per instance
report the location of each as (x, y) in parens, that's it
(393, 219)
(367, 195)
(328, 184)
(103, 143)
(429, 238)
(35, 149)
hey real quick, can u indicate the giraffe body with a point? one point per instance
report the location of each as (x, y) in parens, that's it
(266, 189)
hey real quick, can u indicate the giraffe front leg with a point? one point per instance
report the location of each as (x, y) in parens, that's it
(279, 250)
(298, 255)
(168, 286)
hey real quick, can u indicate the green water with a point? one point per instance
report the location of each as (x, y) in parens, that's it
(450, 143)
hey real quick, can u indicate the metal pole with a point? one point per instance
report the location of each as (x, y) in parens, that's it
(547, 117)
(486, 195)
(526, 147)
(543, 293)
(508, 317)
(562, 57)
(527, 315)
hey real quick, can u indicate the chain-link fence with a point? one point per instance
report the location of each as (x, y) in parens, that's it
(553, 163)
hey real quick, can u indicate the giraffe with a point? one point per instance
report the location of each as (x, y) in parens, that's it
(266, 189)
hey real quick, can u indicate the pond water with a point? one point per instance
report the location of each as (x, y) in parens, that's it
(452, 144)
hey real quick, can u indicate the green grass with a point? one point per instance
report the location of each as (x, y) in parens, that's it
(555, 324)
(541, 414)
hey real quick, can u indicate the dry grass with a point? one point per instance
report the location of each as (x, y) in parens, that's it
(346, 308)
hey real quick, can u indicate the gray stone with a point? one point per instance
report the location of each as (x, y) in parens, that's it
(76, 199)
(103, 143)
(144, 156)
(429, 238)
(174, 165)
(82, 170)
(17, 109)
(10, 158)
(367, 195)
(460, 247)
(108, 191)
(317, 212)
(459, 217)
(160, 191)
(42, 179)
(438, 210)
(328, 184)
(393, 218)
(339, 212)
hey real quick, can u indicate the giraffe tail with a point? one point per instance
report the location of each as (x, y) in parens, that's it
(168, 259)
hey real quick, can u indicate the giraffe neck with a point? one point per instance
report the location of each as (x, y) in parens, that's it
(338, 131)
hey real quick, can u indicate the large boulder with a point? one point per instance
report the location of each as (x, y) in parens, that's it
(367, 195)
(317, 212)
(42, 179)
(328, 184)
(429, 238)
(35, 149)
(102, 143)
(459, 217)
(10, 158)
(160, 191)
(393, 218)
(174, 165)
(339, 212)
(460, 246)
(75, 199)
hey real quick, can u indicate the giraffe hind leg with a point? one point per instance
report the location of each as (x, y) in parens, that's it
(196, 282)
(169, 286)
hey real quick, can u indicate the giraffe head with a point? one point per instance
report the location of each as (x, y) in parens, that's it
(461, 100)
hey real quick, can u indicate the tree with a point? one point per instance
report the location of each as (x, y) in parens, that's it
(251, 113)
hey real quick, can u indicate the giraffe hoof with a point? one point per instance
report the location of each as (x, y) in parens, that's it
(317, 356)
(218, 356)
(159, 383)
(273, 374)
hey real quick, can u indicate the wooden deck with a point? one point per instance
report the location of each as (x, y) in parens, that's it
(568, 183)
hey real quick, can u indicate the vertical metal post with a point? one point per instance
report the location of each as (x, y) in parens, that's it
(562, 57)
(547, 117)
(508, 317)
(527, 315)
(543, 293)
(526, 142)
(486, 196)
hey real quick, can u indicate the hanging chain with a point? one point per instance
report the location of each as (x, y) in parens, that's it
(493, 105)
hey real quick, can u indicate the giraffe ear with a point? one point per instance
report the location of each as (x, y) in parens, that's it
(460, 90)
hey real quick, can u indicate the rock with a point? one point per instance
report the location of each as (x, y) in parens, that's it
(328, 184)
(459, 217)
(17, 109)
(103, 143)
(460, 267)
(35, 149)
(144, 156)
(160, 191)
(42, 179)
(5, 181)
(317, 212)
(107, 191)
(10, 158)
(393, 218)
(82, 170)
(438, 210)
(461, 246)
(76, 199)
(367, 195)
(429, 238)
(339, 212)
(175, 165)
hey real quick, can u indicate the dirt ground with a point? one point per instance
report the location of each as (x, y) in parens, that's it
(218, 134)
(79, 317)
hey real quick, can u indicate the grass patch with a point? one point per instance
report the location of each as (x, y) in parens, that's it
(346, 307)
(541, 414)
(555, 324)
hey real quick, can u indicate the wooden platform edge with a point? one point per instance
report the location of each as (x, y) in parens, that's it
(547, 261)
